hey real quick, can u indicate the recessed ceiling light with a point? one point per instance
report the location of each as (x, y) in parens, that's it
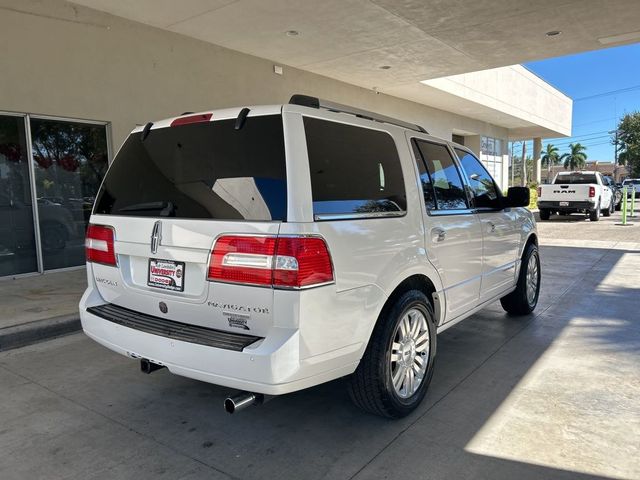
(385, 67)
(553, 33)
(292, 33)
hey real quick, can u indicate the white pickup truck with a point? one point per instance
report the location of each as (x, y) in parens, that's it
(576, 192)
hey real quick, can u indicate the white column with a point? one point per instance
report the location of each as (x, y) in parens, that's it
(537, 158)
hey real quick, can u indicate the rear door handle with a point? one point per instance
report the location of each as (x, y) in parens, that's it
(438, 235)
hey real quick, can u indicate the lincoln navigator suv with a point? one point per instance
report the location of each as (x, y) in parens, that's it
(268, 249)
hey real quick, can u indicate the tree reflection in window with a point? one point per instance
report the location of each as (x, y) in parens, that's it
(378, 206)
(485, 192)
(441, 182)
(70, 160)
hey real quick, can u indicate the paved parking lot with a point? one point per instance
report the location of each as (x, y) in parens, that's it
(554, 395)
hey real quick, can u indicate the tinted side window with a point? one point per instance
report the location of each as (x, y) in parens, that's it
(425, 179)
(485, 193)
(447, 185)
(353, 169)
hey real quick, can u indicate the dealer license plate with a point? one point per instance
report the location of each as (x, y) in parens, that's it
(564, 204)
(166, 274)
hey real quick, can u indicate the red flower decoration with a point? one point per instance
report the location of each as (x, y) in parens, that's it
(11, 151)
(43, 162)
(69, 163)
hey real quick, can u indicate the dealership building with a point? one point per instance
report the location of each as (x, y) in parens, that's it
(78, 76)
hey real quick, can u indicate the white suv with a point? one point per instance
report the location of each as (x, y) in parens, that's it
(273, 248)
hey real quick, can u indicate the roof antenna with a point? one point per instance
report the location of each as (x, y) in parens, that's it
(146, 130)
(242, 117)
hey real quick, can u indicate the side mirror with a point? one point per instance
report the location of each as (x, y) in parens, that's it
(517, 197)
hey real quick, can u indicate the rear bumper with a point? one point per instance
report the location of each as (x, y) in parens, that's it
(271, 365)
(573, 206)
(174, 330)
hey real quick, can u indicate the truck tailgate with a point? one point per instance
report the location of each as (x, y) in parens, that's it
(565, 192)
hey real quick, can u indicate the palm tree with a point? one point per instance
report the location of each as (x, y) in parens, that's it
(549, 158)
(576, 158)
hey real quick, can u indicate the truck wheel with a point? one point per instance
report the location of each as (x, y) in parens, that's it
(545, 213)
(396, 369)
(524, 298)
(594, 215)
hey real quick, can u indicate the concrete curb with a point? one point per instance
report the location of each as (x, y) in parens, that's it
(38, 331)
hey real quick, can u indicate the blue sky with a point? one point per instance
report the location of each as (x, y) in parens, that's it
(582, 77)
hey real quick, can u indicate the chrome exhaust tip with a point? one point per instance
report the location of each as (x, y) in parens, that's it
(147, 366)
(242, 400)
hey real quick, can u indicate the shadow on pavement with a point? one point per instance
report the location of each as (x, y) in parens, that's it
(317, 433)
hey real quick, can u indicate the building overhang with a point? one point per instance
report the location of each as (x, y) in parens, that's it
(511, 97)
(391, 46)
(417, 39)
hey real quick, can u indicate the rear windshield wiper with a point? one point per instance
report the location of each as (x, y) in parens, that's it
(166, 208)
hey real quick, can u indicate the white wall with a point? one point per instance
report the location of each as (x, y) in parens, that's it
(516, 92)
(66, 60)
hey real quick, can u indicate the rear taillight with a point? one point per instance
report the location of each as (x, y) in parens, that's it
(242, 259)
(99, 245)
(301, 262)
(539, 191)
(592, 192)
(279, 262)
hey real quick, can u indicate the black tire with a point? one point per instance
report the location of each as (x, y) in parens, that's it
(545, 213)
(370, 386)
(607, 211)
(517, 302)
(594, 215)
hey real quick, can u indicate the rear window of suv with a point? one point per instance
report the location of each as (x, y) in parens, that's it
(355, 171)
(202, 171)
(576, 179)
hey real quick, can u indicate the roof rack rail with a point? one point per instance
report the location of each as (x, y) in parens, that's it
(315, 102)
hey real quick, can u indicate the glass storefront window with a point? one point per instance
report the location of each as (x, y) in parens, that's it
(70, 160)
(484, 145)
(491, 157)
(491, 146)
(17, 236)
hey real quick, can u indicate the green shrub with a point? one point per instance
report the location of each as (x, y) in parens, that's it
(533, 198)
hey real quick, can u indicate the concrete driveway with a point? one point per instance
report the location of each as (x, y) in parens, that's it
(553, 395)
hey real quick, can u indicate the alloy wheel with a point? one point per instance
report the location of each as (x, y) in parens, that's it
(532, 278)
(410, 353)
